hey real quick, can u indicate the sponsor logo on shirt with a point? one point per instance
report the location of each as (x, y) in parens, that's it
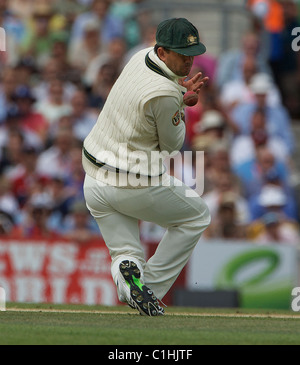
(177, 117)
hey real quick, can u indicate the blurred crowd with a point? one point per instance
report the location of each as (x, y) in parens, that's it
(61, 60)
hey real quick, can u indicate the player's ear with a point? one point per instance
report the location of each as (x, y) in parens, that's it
(161, 53)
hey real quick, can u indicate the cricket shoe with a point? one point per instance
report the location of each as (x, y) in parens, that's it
(137, 294)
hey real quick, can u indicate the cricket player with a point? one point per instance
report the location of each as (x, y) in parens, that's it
(141, 122)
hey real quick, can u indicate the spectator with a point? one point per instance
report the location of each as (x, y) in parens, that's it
(50, 72)
(31, 119)
(74, 180)
(242, 91)
(89, 46)
(63, 123)
(268, 21)
(56, 160)
(111, 26)
(66, 71)
(11, 154)
(13, 123)
(226, 186)
(211, 129)
(55, 106)
(7, 89)
(61, 197)
(35, 220)
(273, 196)
(6, 224)
(114, 56)
(127, 12)
(253, 174)
(261, 83)
(287, 66)
(237, 91)
(230, 65)
(217, 163)
(22, 9)
(227, 224)
(8, 202)
(244, 147)
(148, 34)
(78, 225)
(102, 85)
(26, 70)
(70, 9)
(82, 118)
(275, 228)
(38, 35)
(208, 100)
(24, 179)
(278, 121)
(66, 189)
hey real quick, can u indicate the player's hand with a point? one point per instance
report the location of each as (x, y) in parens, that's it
(195, 83)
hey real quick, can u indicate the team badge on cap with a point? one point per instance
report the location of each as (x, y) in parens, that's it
(192, 40)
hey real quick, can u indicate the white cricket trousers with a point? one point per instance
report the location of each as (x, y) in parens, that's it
(118, 211)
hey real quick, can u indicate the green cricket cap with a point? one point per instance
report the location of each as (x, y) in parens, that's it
(180, 36)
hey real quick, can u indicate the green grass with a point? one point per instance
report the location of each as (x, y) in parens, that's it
(96, 325)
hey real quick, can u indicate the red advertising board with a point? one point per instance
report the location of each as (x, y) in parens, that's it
(42, 271)
(56, 272)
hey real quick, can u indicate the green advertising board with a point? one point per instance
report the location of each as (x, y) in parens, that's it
(264, 276)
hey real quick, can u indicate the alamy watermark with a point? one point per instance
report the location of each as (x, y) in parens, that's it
(296, 299)
(145, 169)
(296, 41)
(2, 40)
(2, 300)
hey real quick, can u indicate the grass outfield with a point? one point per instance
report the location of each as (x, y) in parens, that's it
(47, 324)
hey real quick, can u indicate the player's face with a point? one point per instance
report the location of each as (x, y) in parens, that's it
(181, 65)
